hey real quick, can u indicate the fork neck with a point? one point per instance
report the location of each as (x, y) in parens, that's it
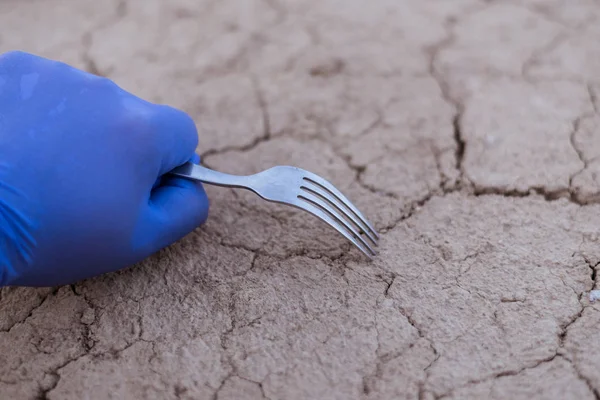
(206, 175)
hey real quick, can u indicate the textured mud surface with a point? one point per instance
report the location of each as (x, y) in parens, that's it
(468, 131)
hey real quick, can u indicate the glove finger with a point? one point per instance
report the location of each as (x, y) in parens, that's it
(177, 138)
(176, 208)
(195, 159)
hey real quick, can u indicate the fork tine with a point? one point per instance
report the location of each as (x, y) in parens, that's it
(322, 211)
(315, 200)
(317, 180)
(320, 193)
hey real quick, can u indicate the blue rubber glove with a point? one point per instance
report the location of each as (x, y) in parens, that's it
(83, 189)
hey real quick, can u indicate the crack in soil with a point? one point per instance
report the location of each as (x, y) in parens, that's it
(547, 195)
(89, 342)
(541, 191)
(459, 139)
(558, 353)
(593, 98)
(498, 375)
(574, 194)
(380, 360)
(30, 314)
(266, 123)
(90, 63)
(411, 209)
(576, 126)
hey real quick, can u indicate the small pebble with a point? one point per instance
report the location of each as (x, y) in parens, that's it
(594, 295)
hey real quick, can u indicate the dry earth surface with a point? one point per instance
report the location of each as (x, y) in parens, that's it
(468, 131)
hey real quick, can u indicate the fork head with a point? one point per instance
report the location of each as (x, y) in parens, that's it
(309, 192)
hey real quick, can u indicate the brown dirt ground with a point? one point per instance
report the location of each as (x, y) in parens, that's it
(468, 131)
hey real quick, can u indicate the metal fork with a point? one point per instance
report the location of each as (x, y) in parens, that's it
(298, 188)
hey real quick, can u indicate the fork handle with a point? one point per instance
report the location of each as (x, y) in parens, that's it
(196, 172)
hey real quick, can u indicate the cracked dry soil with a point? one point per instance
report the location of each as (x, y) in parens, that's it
(466, 130)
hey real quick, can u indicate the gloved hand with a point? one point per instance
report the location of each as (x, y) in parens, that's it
(82, 190)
